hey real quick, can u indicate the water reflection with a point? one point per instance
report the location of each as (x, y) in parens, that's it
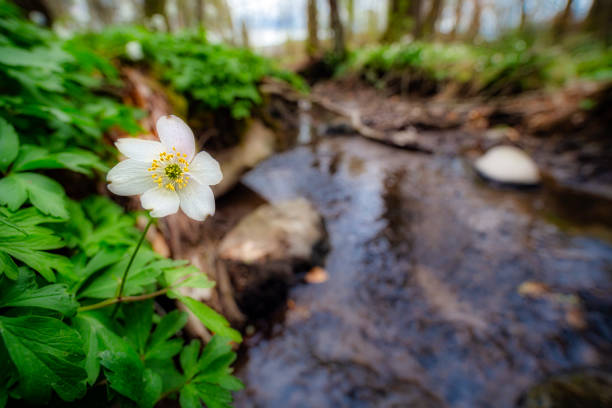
(422, 306)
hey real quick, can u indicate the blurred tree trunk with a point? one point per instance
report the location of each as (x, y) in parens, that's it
(416, 15)
(103, 11)
(336, 27)
(152, 7)
(523, 15)
(184, 14)
(429, 25)
(458, 15)
(599, 19)
(312, 42)
(199, 12)
(400, 20)
(474, 28)
(372, 24)
(562, 21)
(350, 8)
(244, 33)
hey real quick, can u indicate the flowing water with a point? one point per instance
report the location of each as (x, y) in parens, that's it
(422, 305)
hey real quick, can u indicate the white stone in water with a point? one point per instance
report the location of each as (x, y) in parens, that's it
(508, 164)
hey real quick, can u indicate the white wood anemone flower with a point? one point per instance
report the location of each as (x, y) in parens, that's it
(168, 173)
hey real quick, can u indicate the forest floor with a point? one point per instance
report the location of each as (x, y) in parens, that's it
(570, 144)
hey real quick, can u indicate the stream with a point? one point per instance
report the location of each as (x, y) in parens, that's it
(422, 306)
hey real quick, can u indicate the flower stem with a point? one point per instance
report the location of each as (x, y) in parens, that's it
(125, 299)
(127, 269)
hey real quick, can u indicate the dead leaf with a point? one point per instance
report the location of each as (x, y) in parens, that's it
(316, 275)
(533, 289)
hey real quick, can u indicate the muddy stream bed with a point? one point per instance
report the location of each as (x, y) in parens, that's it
(442, 291)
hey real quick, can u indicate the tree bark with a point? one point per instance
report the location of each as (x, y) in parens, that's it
(200, 12)
(562, 20)
(103, 13)
(416, 15)
(598, 20)
(400, 20)
(337, 30)
(523, 15)
(312, 42)
(474, 28)
(152, 7)
(350, 8)
(429, 25)
(244, 33)
(458, 15)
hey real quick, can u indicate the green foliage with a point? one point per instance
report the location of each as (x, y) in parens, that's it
(214, 76)
(510, 65)
(61, 261)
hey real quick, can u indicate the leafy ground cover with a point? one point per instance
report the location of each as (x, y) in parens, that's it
(508, 66)
(62, 259)
(211, 76)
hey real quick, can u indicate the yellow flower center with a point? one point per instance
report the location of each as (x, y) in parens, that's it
(170, 170)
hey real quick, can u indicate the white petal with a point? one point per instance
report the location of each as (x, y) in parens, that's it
(197, 200)
(205, 169)
(173, 132)
(130, 177)
(138, 149)
(161, 200)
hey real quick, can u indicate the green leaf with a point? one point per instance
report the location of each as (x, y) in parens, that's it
(30, 250)
(187, 276)
(94, 328)
(138, 323)
(169, 325)
(165, 350)
(124, 372)
(44, 193)
(25, 293)
(12, 193)
(211, 319)
(7, 266)
(9, 144)
(143, 272)
(152, 389)
(48, 355)
(126, 375)
(208, 378)
(213, 395)
(189, 358)
(189, 397)
(78, 160)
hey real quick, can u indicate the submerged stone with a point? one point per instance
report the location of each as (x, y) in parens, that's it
(508, 165)
(265, 250)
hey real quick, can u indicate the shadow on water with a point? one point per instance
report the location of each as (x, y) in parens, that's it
(442, 291)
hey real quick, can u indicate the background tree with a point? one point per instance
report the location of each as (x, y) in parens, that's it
(458, 15)
(598, 21)
(153, 7)
(474, 27)
(523, 15)
(350, 10)
(400, 19)
(244, 35)
(312, 42)
(562, 21)
(429, 24)
(102, 10)
(337, 30)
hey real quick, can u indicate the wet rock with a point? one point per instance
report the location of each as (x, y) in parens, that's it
(508, 165)
(266, 249)
(585, 388)
(258, 143)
